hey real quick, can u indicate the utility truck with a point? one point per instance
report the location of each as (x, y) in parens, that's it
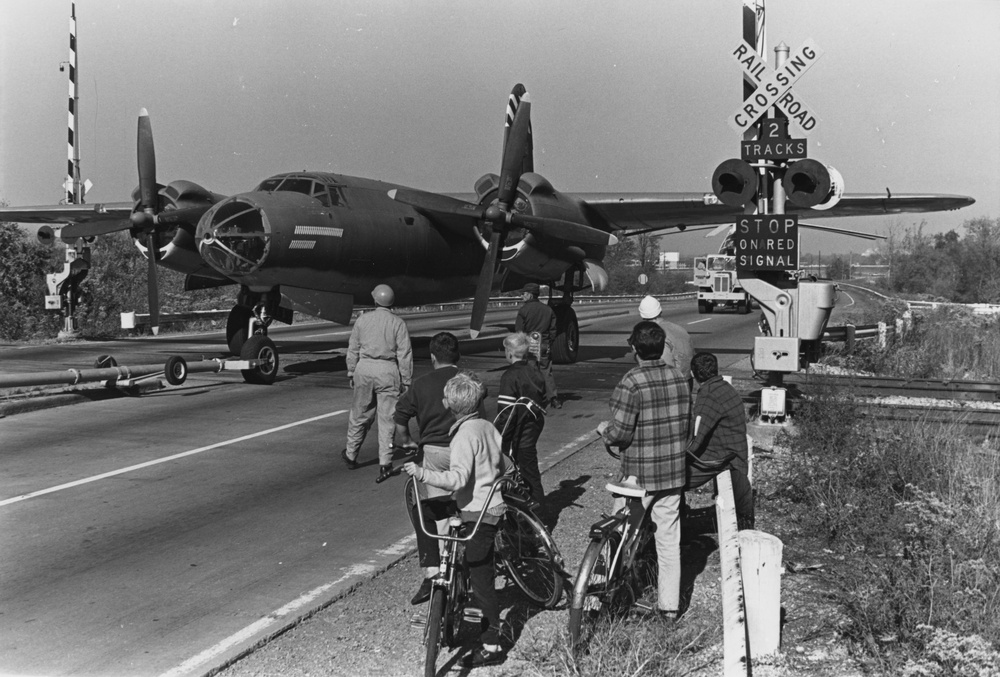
(718, 286)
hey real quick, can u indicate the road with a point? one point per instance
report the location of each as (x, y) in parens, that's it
(163, 534)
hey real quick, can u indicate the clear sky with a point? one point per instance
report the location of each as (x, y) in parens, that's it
(627, 95)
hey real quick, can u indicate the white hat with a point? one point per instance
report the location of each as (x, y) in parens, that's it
(649, 308)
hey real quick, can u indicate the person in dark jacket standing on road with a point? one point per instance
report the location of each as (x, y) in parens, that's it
(379, 368)
(520, 415)
(425, 402)
(535, 316)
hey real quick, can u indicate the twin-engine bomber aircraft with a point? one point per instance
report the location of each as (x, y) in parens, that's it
(319, 242)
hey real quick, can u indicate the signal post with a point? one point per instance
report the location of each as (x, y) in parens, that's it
(773, 169)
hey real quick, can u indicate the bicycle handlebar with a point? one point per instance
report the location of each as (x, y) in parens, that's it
(500, 481)
(607, 448)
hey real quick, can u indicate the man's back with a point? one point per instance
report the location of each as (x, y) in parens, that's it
(424, 402)
(721, 423)
(678, 348)
(649, 422)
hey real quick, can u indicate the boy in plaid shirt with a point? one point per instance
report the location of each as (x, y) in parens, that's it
(649, 424)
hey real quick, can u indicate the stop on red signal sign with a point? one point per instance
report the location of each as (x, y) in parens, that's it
(767, 242)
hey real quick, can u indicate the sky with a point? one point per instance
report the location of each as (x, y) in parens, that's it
(626, 96)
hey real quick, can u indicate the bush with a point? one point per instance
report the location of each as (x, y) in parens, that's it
(915, 512)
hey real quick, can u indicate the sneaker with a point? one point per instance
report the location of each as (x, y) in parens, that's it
(423, 592)
(482, 657)
(351, 463)
(384, 472)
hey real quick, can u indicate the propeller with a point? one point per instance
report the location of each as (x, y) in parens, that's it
(498, 218)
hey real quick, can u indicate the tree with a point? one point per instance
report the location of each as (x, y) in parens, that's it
(23, 266)
(839, 269)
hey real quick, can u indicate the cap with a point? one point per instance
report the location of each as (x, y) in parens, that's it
(533, 288)
(649, 308)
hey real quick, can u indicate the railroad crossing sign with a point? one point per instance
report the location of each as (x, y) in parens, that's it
(774, 87)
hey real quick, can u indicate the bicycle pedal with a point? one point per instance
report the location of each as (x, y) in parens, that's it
(473, 615)
(418, 620)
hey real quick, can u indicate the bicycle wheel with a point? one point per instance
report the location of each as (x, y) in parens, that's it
(455, 609)
(641, 577)
(530, 556)
(433, 631)
(592, 590)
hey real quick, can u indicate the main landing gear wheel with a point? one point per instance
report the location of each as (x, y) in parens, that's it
(238, 328)
(260, 348)
(567, 343)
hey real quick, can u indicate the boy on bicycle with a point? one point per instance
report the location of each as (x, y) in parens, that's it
(476, 463)
(649, 424)
(520, 415)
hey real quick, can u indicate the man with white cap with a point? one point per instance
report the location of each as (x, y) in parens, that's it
(678, 349)
(379, 368)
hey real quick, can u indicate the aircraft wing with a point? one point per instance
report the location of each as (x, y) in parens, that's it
(88, 220)
(657, 211)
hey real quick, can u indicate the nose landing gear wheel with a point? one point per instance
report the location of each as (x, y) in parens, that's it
(260, 348)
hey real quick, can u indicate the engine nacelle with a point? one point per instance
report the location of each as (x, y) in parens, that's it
(811, 184)
(734, 182)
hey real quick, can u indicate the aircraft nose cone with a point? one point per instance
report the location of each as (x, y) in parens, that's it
(234, 237)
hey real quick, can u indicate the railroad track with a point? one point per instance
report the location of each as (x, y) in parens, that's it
(972, 405)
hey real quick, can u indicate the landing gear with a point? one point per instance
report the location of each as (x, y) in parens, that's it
(566, 346)
(238, 328)
(260, 348)
(252, 315)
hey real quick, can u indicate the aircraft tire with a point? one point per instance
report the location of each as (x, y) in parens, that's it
(238, 328)
(176, 370)
(566, 346)
(260, 347)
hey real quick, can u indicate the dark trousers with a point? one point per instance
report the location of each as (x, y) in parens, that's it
(434, 509)
(742, 491)
(524, 451)
(482, 574)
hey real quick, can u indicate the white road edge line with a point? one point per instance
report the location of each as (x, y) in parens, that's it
(403, 545)
(192, 452)
(707, 319)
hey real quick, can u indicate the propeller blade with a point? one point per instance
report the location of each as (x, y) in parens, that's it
(435, 202)
(569, 231)
(513, 153)
(151, 283)
(513, 103)
(146, 158)
(484, 287)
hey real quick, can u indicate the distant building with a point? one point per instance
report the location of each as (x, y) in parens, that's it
(669, 260)
(869, 271)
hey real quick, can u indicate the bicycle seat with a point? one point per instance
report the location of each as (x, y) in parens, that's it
(626, 489)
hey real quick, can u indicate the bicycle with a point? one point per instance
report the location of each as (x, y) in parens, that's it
(618, 567)
(524, 549)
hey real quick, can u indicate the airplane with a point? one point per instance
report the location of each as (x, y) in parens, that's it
(319, 242)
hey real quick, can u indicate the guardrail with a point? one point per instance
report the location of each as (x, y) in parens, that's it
(140, 321)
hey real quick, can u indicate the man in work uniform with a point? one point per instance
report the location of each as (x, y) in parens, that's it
(678, 349)
(379, 368)
(535, 316)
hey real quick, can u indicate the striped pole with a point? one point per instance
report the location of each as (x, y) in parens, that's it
(72, 184)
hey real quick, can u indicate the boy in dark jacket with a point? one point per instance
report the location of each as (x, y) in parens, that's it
(520, 415)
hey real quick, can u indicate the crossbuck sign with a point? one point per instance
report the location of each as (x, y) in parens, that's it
(774, 87)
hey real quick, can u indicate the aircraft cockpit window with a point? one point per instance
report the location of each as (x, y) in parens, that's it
(269, 185)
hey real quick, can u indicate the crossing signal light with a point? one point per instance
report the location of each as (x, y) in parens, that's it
(811, 184)
(734, 182)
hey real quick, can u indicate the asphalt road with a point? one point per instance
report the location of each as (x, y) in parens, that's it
(166, 533)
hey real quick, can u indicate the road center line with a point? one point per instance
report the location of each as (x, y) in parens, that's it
(165, 459)
(707, 319)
